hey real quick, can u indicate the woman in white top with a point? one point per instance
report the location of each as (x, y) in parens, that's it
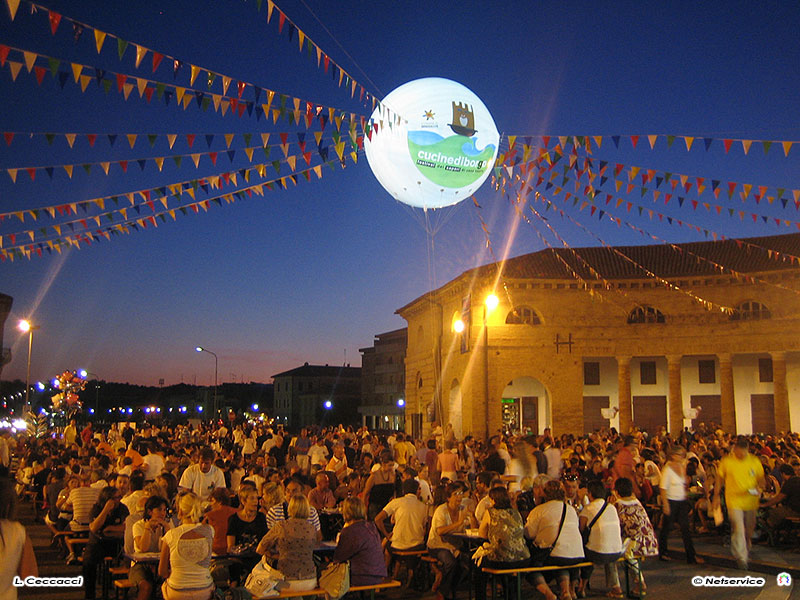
(604, 546)
(15, 545)
(186, 554)
(449, 518)
(542, 527)
(675, 505)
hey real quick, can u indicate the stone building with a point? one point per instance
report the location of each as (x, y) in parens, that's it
(301, 394)
(570, 351)
(383, 381)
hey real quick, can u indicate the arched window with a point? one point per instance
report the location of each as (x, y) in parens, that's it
(523, 315)
(645, 314)
(751, 311)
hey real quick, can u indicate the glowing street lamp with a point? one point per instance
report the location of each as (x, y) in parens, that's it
(26, 326)
(216, 368)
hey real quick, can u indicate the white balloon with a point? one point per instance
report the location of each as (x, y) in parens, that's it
(435, 145)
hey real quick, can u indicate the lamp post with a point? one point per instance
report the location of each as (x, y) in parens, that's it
(26, 326)
(216, 367)
(489, 304)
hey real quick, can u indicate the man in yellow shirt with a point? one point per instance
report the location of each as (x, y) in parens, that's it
(742, 476)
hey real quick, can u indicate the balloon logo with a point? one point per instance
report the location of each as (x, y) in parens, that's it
(435, 143)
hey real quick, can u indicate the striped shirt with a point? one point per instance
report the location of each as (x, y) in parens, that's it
(277, 513)
(82, 499)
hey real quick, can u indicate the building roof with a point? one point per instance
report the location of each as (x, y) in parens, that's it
(745, 255)
(321, 371)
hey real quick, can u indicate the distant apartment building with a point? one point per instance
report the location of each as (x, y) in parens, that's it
(317, 395)
(383, 381)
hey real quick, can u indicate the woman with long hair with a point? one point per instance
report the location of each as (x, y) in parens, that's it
(15, 545)
(186, 554)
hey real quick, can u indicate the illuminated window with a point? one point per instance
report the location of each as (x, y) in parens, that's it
(750, 311)
(645, 314)
(523, 315)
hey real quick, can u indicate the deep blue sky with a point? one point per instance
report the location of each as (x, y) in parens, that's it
(305, 274)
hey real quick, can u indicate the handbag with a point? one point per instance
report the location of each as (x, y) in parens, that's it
(587, 532)
(263, 580)
(538, 554)
(335, 580)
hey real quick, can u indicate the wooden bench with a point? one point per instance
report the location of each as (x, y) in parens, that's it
(517, 574)
(405, 554)
(122, 585)
(389, 583)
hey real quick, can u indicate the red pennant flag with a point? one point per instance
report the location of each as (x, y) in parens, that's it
(694, 204)
(731, 188)
(634, 140)
(32, 172)
(281, 21)
(190, 139)
(55, 19)
(9, 137)
(124, 165)
(40, 71)
(213, 157)
(240, 85)
(157, 58)
(91, 137)
(727, 144)
(148, 93)
(4, 50)
(327, 62)
(121, 79)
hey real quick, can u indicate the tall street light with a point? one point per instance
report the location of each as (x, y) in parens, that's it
(216, 367)
(26, 326)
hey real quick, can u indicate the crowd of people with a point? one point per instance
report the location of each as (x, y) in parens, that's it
(213, 501)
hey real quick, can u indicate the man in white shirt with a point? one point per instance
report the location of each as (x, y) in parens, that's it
(410, 516)
(203, 477)
(152, 464)
(604, 545)
(318, 453)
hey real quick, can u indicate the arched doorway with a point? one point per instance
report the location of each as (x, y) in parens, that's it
(454, 413)
(526, 405)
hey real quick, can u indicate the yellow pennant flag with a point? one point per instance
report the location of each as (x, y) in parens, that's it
(130, 198)
(20, 215)
(176, 189)
(68, 169)
(57, 229)
(746, 145)
(270, 96)
(51, 211)
(319, 54)
(285, 148)
(249, 153)
(562, 139)
(276, 113)
(30, 59)
(618, 183)
(512, 139)
(97, 220)
(301, 37)
(195, 71)
(101, 203)
(76, 71)
(141, 51)
(264, 139)
(786, 147)
(258, 189)
(99, 38)
(228, 139)
(339, 149)
(30, 235)
(352, 87)
(172, 214)
(689, 141)
(262, 170)
(598, 139)
(224, 105)
(163, 200)
(159, 162)
(187, 99)
(131, 139)
(746, 187)
(190, 191)
(341, 76)
(317, 137)
(15, 68)
(127, 88)
(179, 92)
(270, 8)
(296, 102)
(213, 181)
(13, 5)
(217, 99)
(234, 180)
(204, 205)
(141, 85)
(354, 156)
(652, 139)
(196, 160)
(291, 161)
(70, 139)
(85, 79)
(226, 82)
(171, 137)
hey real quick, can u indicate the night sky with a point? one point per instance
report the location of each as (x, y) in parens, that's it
(311, 273)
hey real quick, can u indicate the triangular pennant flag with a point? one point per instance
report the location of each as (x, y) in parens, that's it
(746, 145)
(99, 38)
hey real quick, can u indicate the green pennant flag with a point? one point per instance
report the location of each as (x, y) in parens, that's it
(50, 137)
(670, 139)
(183, 209)
(115, 200)
(766, 145)
(276, 164)
(122, 45)
(205, 103)
(87, 167)
(217, 201)
(780, 192)
(106, 83)
(163, 217)
(54, 64)
(247, 137)
(177, 158)
(730, 212)
(110, 217)
(641, 208)
(160, 90)
(267, 151)
(644, 191)
(151, 137)
(290, 118)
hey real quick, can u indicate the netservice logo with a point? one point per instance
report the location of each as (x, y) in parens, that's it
(784, 579)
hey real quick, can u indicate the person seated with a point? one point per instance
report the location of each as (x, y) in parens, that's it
(360, 543)
(554, 524)
(294, 540)
(147, 534)
(106, 527)
(604, 544)
(217, 517)
(186, 554)
(786, 503)
(280, 511)
(449, 518)
(321, 496)
(502, 526)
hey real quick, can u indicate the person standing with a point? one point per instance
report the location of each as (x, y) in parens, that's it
(675, 505)
(742, 476)
(70, 433)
